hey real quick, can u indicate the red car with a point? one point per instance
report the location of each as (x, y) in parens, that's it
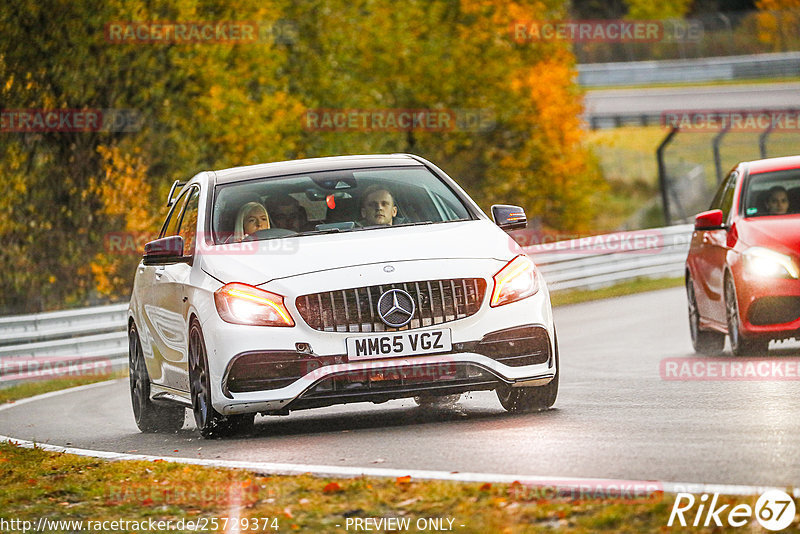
(744, 261)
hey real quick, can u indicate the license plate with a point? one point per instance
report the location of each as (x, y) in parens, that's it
(395, 344)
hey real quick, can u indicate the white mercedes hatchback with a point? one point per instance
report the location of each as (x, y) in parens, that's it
(308, 283)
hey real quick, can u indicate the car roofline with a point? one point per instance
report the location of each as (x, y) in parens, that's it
(783, 163)
(332, 163)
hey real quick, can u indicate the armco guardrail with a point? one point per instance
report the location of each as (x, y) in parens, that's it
(63, 343)
(86, 340)
(781, 65)
(597, 261)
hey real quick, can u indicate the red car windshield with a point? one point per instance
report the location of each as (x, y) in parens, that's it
(773, 193)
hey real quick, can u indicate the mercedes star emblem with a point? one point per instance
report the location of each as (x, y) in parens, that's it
(396, 308)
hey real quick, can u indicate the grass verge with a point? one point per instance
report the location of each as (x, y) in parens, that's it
(62, 487)
(562, 298)
(29, 389)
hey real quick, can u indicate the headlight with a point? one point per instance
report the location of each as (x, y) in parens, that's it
(760, 261)
(514, 282)
(243, 304)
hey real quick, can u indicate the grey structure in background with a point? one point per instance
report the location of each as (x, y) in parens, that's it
(712, 69)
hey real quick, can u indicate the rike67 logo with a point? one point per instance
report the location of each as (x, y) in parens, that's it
(774, 510)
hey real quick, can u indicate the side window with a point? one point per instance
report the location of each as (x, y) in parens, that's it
(170, 227)
(716, 204)
(188, 225)
(727, 197)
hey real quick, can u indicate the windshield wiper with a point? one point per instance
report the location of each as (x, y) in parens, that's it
(420, 223)
(326, 231)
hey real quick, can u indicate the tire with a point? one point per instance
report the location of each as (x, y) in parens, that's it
(740, 345)
(210, 423)
(434, 401)
(531, 399)
(149, 417)
(703, 341)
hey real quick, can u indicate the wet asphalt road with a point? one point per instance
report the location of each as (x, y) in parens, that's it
(615, 417)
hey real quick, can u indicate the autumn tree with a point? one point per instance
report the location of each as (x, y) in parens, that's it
(199, 106)
(778, 23)
(664, 9)
(456, 56)
(207, 105)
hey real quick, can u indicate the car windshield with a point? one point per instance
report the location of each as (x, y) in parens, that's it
(773, 193)
(332, 202)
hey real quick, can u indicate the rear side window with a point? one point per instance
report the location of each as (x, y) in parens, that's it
(723, 199)
(173, 221)
(188, 225)
(727, 197)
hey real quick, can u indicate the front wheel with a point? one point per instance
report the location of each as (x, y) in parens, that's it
(703, 341)
(740, 345)
(531, 399)
(149, 416)
(210, 422)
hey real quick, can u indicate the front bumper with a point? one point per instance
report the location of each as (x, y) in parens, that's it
(768, 308)
(272, 370)
(498, 358)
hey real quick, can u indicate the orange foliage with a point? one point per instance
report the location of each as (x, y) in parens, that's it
(124, 193)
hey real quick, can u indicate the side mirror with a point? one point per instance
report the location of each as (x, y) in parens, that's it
(509, 217)
(709, 220)
(163, 251)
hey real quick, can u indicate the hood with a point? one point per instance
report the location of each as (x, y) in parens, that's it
(778, 232)
(260, 262)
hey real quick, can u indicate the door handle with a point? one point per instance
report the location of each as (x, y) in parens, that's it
(159, 271)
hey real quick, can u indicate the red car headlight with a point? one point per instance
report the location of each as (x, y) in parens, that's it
(243, 304)
(763, 262)
(516, 281)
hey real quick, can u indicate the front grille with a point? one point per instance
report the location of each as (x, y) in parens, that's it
(355, 309)
(774, 310)
(380, 385)
(518, 346)
(410, 379)
(266, 370)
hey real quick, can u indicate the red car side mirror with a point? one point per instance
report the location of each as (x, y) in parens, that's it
(709, 220)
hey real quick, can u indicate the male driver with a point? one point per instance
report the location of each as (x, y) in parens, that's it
(377, 206)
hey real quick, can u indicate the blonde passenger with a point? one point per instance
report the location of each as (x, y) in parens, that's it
(251, 218)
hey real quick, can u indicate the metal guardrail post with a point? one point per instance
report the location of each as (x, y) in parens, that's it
(662, 174)
(762, 141)
(715, 145)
